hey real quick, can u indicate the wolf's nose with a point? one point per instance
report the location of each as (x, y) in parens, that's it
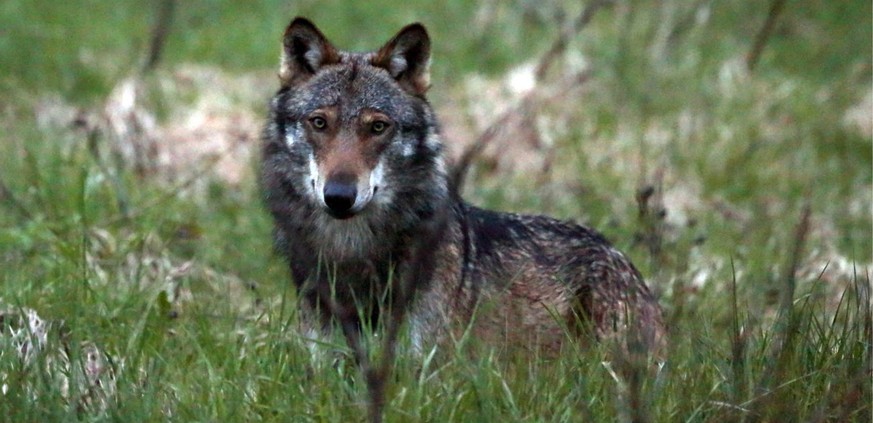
(340, 198)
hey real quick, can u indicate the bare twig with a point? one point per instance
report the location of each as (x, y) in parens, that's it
(685, 23)
(786, 303)
(651, 214)
(160, 30)
(560, 43)
(102, 129)
(526, 104)
(788, 319)
(459, 172)
(790, 282)
(7, 197)
(764, 34)
(738, 344)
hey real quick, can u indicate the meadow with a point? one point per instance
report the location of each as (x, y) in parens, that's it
(138, 281)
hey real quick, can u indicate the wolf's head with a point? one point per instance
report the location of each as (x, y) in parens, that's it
(352, 139)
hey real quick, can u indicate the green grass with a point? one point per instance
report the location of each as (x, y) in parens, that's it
(195, 318)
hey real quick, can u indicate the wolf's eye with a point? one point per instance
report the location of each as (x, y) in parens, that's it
(318, 122)
(378, 127)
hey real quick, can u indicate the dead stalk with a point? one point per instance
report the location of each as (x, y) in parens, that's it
(527, 103)
(764, 34)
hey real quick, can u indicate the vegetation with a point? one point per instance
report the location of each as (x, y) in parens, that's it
(744, 196)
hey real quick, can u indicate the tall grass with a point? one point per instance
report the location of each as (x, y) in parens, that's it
(699, 169)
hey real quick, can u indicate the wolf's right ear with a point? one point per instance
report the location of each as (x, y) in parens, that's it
(304, 51)
(407, 58)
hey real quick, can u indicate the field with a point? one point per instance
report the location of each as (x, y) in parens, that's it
(138, 281)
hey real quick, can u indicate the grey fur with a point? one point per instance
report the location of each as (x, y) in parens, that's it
(526, 279)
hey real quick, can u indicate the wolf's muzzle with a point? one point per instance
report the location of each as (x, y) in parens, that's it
(340, 199)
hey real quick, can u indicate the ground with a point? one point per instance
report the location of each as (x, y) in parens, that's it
(138, 280)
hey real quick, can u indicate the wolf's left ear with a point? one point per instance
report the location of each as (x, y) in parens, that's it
(407, 58)
(304, 51)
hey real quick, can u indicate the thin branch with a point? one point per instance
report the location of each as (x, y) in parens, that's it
(738, 343)
(776, 7)
(788, 318)
(475, 149)
(560, 43)
(7, 197)
(796, 256)
(158, 38)
(526, 103)
(524, 106)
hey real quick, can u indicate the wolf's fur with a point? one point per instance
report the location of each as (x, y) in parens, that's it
(359, 208)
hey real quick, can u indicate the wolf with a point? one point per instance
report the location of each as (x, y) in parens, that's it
(354, 174)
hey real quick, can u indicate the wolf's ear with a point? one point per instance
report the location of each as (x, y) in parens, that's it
(304, 51)
(407, 58)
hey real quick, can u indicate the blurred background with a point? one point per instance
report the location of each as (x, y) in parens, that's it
(716, 142)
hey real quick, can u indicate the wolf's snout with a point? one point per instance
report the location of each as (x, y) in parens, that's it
(340, 198)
